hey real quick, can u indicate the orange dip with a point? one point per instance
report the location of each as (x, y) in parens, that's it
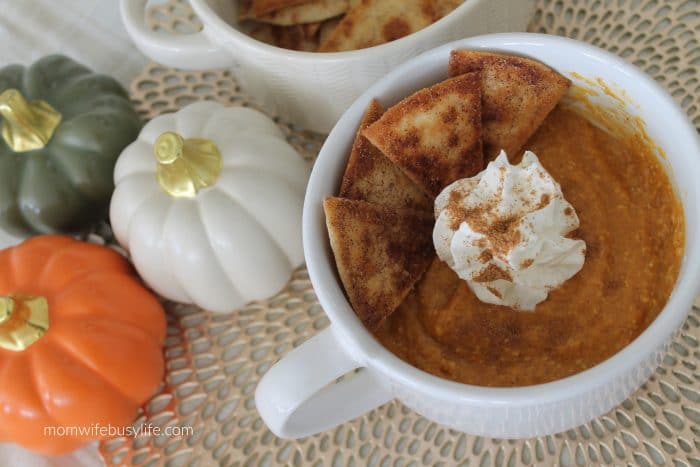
(633, 227)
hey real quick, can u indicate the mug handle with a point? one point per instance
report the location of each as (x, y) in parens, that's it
(187, 51)
(297, 397)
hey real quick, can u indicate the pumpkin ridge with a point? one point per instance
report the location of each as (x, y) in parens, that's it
(104, 84)
(133, 153)
(71, 80)
(61, 67)
(56, 256)
(30, 377)
(80, 357)
(95, 374)
(25, 189)
(68, 287)
(250, 215)
(166, 257)
(105, 275)
(121, 229)
(3, 377)
(35, 385)
(205, 228)
(63, 170)
(25, 87)
(62, 165)
(75, 145)
(171, 231)
(282, 178)
(78, 187)
(15, 265)
(256, 171)
(276, 150)
(96, 103)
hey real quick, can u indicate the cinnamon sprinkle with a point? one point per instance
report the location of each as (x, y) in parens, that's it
(495, 292)
(458, 213)
(492, 273)
(486, 256)
(503, 234)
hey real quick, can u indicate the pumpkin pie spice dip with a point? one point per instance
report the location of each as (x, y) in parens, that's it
(633, 227)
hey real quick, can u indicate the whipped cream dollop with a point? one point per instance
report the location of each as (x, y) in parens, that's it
(504, 231)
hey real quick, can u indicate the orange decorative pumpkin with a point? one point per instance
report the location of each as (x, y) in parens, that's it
(100, 358)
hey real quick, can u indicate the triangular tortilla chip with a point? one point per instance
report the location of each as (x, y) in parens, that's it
(434, 136)
(374, 22)
(327, 28)
(380, 253)
(311, 30)
(298, 37)
(309, 12)
(370, 176)
(261, 7)
(445, 7)
(518, 94)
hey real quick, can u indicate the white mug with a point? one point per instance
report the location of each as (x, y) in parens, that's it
(296, 398)
(311, 90)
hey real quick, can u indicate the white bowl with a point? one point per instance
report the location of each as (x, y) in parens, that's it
(308, 89)
(288, 397)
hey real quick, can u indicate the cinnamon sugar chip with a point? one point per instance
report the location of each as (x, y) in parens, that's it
(370, 176)
(518, 93)
(297, 37)
(380, 253)
(311, 11)
(434, 135)
(373, 22)
(261, 7)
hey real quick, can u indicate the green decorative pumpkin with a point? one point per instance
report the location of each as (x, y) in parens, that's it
(63, 128)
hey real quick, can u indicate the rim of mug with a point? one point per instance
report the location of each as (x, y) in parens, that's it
(354, 336)
(209, 17)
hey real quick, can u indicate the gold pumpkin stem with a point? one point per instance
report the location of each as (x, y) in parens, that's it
(186, 166)
(27, 125)
(24, 319)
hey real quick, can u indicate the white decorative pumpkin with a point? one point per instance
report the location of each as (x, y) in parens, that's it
(208, 202)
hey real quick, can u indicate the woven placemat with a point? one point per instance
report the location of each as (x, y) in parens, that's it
(214, 362)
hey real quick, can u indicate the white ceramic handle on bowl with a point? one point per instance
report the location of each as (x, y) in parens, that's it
(297, 397)
(187, 51)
